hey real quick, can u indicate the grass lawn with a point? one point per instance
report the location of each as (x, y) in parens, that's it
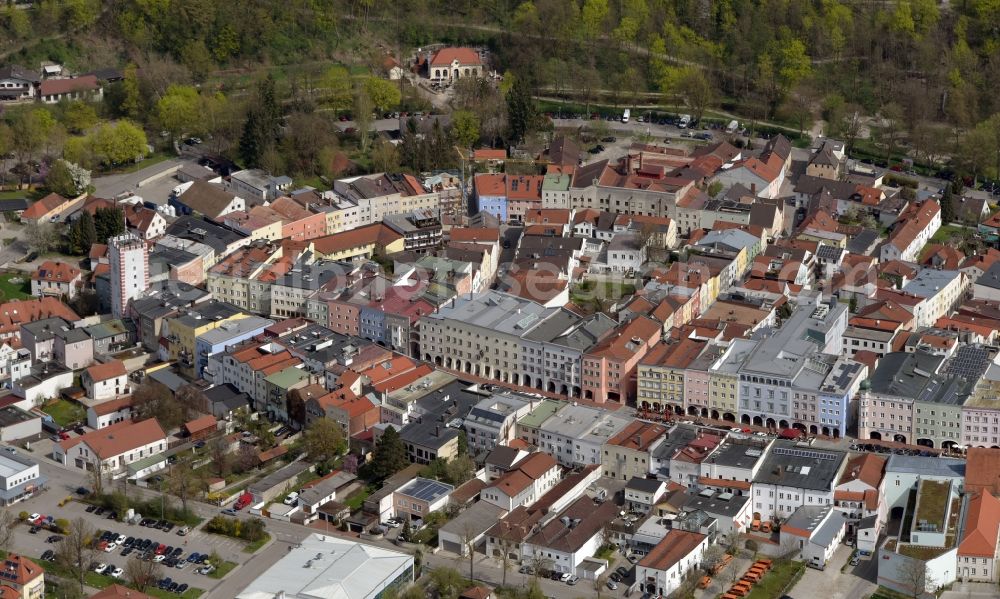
(154, 158)
(932, 501)
(10, 291)
(354, 501)
(222, 569)
(191, 593)
(64, 412)
(256, 545)
(945, 232)
(777, 582)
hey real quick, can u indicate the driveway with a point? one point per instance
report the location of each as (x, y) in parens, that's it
(858, 581)
(970, 590)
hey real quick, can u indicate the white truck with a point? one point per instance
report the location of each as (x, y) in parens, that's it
(684, 121)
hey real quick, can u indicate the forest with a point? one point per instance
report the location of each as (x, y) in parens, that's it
(911, 76)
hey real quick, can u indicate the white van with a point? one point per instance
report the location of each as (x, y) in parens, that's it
(685, 120)
(732, 127)
(625, 115)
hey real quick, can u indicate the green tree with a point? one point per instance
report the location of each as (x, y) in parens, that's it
(179, 110)
(464, 128)
(60, 180)
(363, 116)
(262, 125)
(389, 456)
(119, 142)
(384, 94)
(108, 222)
(592, 19)
(131, 97)
(520, 111)
(79, 116)
(324, 440)
(385, 157)
(83, 234)
(947, 208)
(335, 86)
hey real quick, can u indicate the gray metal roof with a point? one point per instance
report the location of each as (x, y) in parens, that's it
(787, 350)
(930, 281)
(714, 503)
(789, 465)
(926, 466)
(915, 375)
(496, 311)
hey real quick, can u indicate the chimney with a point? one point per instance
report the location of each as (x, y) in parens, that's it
(437, 431)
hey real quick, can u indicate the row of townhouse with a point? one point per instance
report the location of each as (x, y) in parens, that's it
(514, 340)
(794, 377)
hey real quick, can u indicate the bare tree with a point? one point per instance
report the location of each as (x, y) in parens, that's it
(221, 456)
(8, 520)
(76, 550)
(141, 574)
(469, 545)
(600, 584)
(184, 482)
(504, 557)
(916, 575)
(97, 476)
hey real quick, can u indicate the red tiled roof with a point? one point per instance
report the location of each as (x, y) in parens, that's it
(676, 545)
(490, 185)
(489, 154)
(867, 468)
(118, 438)
(54, 87)
(55, 271)
(464, 56)
(982, 527)
(911, 222)
(201, 423)
(376, 234)
(638, 435)
(44, 206)
(474, 235)
(108, 370)
(112, 406)
(982, 470)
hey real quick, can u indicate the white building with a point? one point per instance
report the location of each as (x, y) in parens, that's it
(576, 434)
(109, 412)
(257, 186)
(493, 421)
(942, 291)
(328, 566)
(113, 447)
(129, 260)
(914, 227)
(566, 541)
(19, 476)
(105, 381)
(792, 477)
(523, 485)
(813, 533)
(626, 253)
(663, 569)
(979, 548)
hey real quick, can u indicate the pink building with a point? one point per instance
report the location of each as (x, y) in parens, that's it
(297, 223)
(609, 368)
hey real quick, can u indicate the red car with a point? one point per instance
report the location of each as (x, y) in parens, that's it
(161, 549)
(243, 501)
(64, 436)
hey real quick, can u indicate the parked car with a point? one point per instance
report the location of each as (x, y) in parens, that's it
(229, 511)
(855, 560)
(572, 580)
(181, 589)
(117, 573)
(612, 585)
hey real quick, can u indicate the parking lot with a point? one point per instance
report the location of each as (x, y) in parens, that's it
(196, 541)
(831, 583)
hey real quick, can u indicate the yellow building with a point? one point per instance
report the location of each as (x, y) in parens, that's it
(182, 331)
(364, 242)
(23, 579)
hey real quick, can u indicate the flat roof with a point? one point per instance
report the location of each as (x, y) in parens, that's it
(789, 465)
(425, 489)
(541, 413)
(322, 566)
(11, 415)
(13, 463)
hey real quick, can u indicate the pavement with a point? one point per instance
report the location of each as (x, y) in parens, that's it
(831, 583)
(113, 185)
(970, 590)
